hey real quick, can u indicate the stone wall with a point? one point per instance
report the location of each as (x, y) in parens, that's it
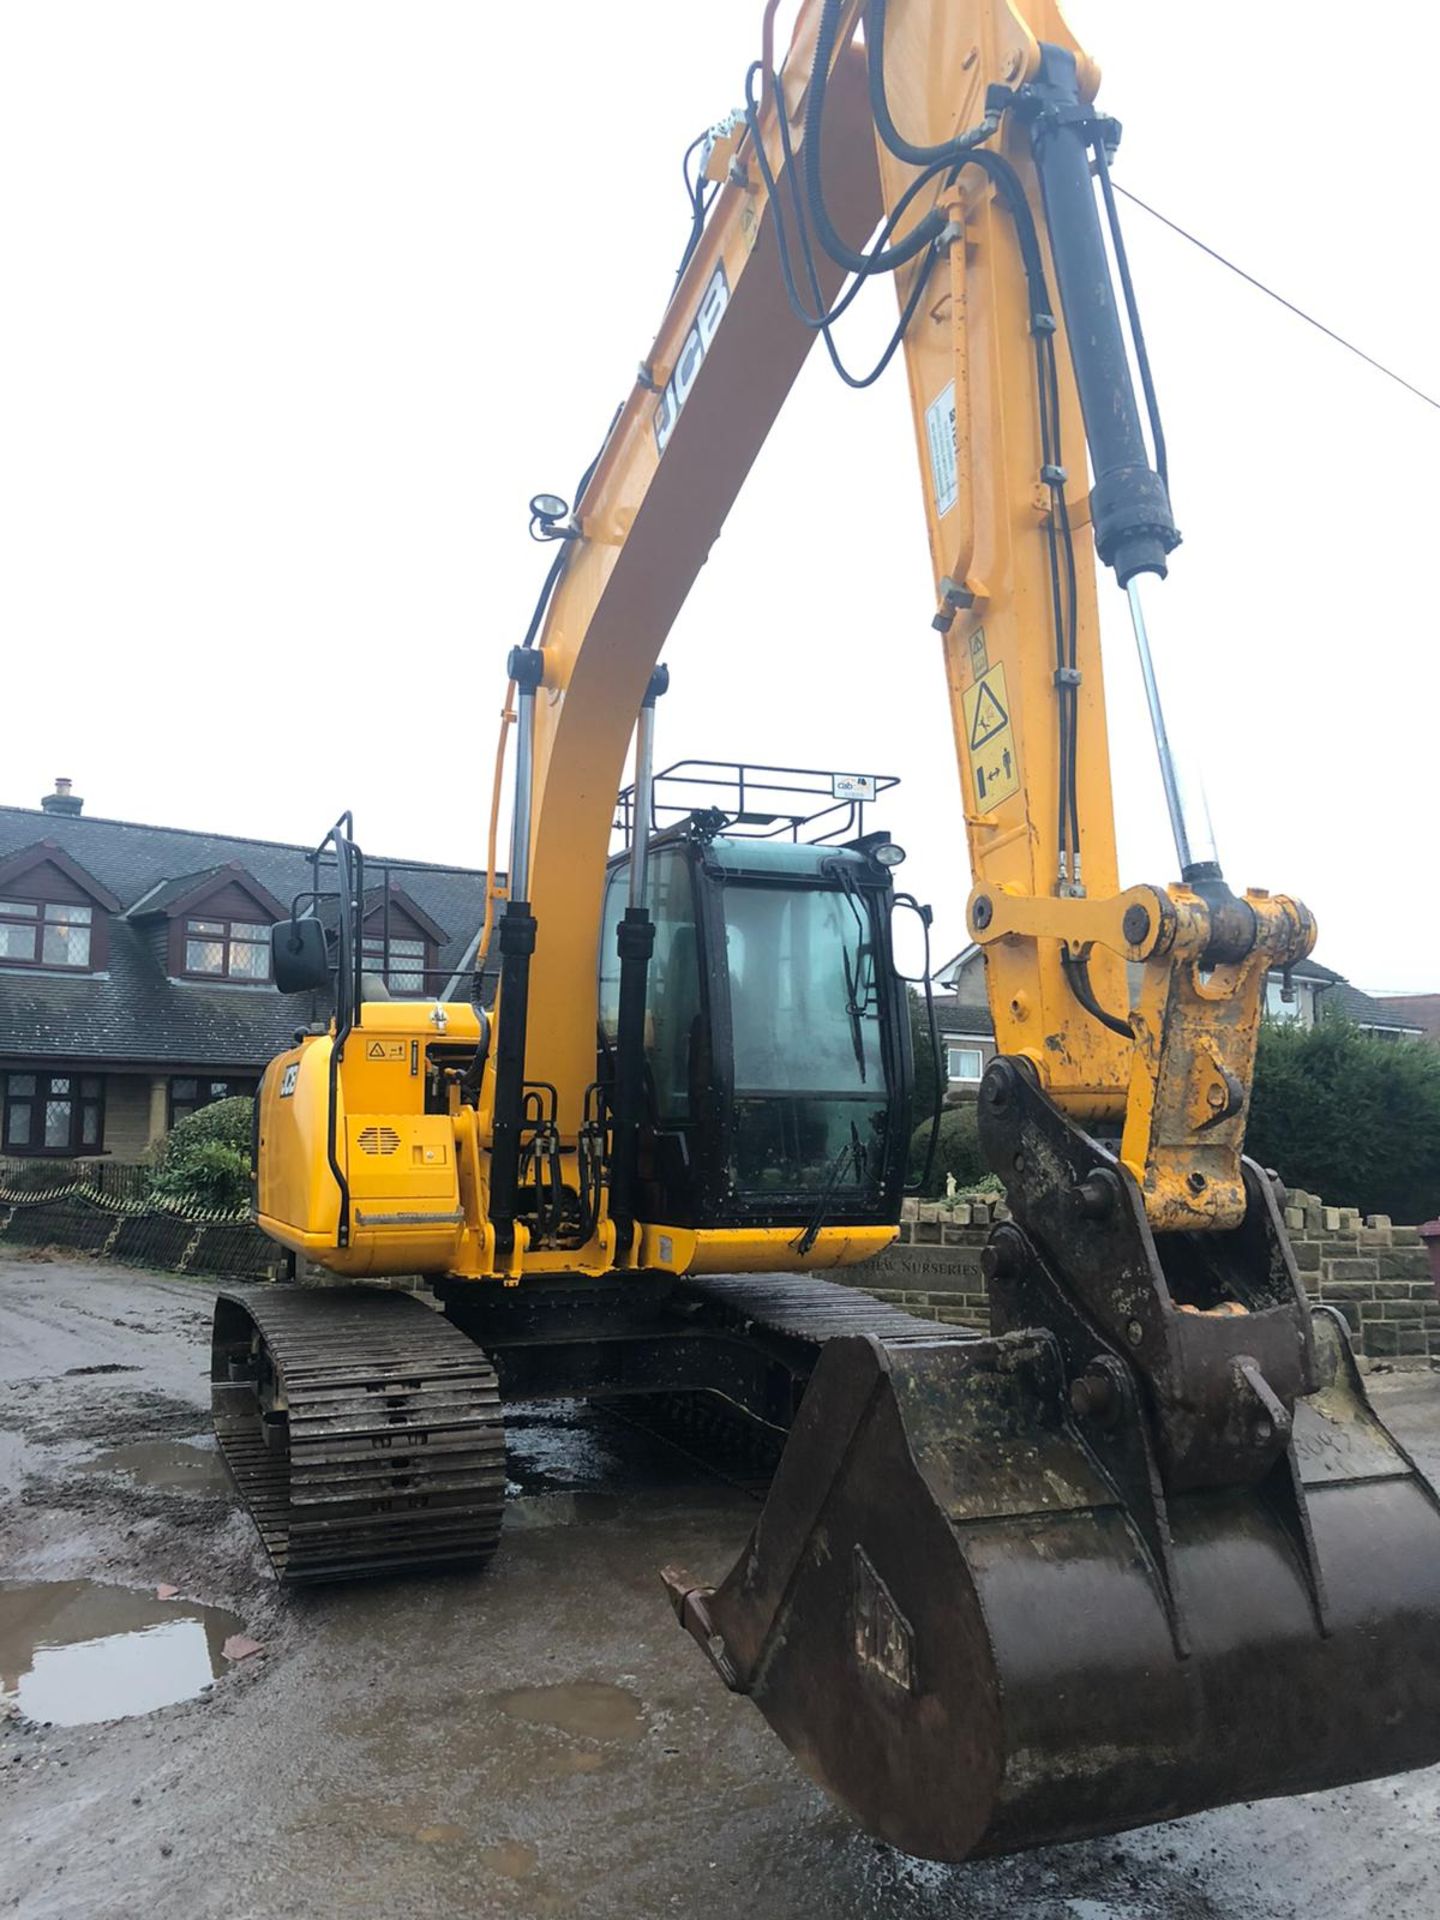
(933, 1268)
(1377, 1275)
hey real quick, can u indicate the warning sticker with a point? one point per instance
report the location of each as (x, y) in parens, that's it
(940, 434)
(385, 1050)
(994, 766)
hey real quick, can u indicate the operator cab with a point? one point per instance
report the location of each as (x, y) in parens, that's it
(777, 1040)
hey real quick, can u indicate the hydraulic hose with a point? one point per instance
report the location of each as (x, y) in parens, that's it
(887, 258)
(902, 148)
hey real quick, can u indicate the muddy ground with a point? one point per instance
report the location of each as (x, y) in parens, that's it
(536, 1740)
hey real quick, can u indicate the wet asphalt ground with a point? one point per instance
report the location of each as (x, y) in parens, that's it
(539, 1739)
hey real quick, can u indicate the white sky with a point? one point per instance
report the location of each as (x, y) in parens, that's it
(304, 300)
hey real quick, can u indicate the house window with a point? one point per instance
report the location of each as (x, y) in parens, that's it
(188, 1095)
(44, 933)
(54, 1113)
(964, 1063)
(403, 969)
(227, 949)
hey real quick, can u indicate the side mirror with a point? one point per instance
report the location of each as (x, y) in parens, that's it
(910, 938)
(299, 955)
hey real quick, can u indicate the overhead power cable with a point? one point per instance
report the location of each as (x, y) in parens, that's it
(1289, 305)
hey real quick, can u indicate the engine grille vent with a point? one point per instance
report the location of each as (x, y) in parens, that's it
(378, 1140)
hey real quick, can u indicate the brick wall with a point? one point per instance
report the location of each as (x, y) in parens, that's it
(1376, 1274)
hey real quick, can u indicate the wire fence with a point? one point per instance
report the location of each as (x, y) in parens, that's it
(110, 1210)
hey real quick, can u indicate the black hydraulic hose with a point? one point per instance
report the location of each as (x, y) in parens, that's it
(819, 320)
(552, 580)
(999, 171)
(903, 149)
(912, 300)
(1077, 975)
(886, 259)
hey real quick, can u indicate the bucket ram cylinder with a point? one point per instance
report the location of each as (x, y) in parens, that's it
(1130, 503)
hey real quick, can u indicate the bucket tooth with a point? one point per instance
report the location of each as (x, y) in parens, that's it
(953, 1612)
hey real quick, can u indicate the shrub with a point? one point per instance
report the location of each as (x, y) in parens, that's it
(205, 1160)
(1349, 1116)
(957, 1151)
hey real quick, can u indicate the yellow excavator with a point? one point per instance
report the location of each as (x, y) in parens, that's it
(1144, 1548)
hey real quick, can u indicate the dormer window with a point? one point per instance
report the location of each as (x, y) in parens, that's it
(402, 967)
(45, 933)
(54, 916)
(227, 949)
(400, 944)
(212, 926)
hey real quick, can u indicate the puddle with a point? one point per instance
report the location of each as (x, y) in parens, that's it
(562, 1510)
(512, 1858)
(166, 1463)
(73, 1652)
(587, 1708)
(566, 1446)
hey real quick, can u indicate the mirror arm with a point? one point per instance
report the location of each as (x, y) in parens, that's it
(926, 916)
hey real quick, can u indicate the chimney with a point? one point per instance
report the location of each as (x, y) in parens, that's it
(62, 800)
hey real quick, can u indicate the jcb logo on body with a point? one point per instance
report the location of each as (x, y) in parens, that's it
(691, 357)
(288, 1079)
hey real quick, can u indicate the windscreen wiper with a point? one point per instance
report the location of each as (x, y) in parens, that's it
(851, 1151)
(852, 1007)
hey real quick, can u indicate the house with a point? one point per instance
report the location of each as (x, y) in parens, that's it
(1319, 991)
(1311, 992)
(135, 968)
(1421, 1009)
(962, 1015)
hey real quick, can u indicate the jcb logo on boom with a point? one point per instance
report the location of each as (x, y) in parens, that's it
(691, 357)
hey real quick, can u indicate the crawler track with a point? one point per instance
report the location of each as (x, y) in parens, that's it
(793, 1315)
(363, 1430)
(802, 1307)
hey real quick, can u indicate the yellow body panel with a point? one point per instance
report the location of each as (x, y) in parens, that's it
(757, 1249)
(416, 1205)
(399, 1163)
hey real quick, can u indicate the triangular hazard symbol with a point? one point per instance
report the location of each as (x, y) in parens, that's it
(990, 717)
(375, 1051)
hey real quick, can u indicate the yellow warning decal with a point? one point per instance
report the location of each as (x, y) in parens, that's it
(385, 1050)
(994, 764)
